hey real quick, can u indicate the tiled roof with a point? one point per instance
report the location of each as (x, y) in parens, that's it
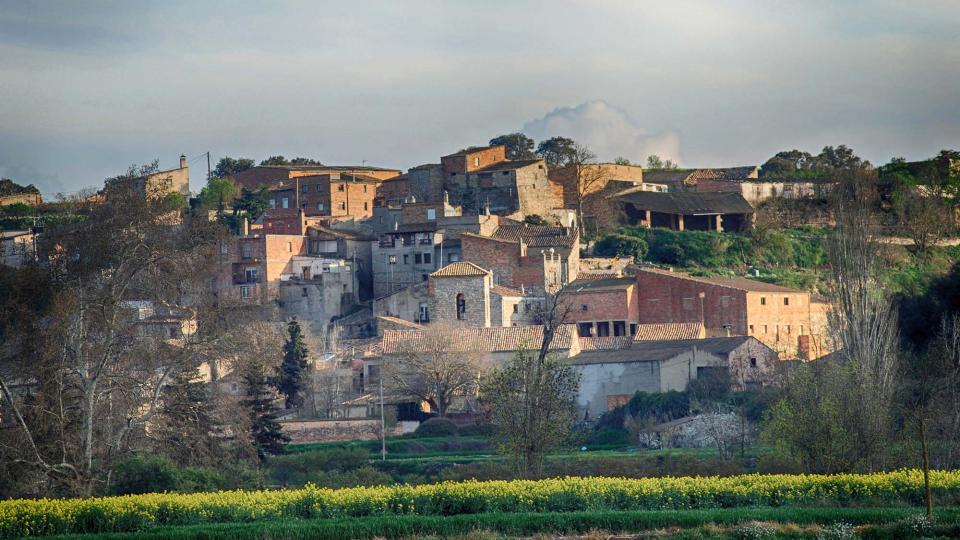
(605, 343)
(602, 284)
(506, 291)
(537, 236)
(479, 339)
(507, 165)
(688, 203)
(742, 284)
(458, 269)
(400, 322)
(691, 177)
(668, 331)
(659, 351)
(471, 150)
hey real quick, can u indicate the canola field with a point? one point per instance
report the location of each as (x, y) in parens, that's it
(132, 513)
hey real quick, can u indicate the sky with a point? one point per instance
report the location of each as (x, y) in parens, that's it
(88, 88)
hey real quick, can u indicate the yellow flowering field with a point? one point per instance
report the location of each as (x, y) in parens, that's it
(141, 512)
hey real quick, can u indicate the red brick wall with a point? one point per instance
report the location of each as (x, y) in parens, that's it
(471, 161)
(501, 258)
(661, 299)
(392, 191)
(613, 305)
(356, 199)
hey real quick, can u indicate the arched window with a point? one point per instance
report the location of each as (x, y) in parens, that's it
(461, 307)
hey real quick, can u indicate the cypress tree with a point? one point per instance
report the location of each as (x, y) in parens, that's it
(267, 436)
(293, 368)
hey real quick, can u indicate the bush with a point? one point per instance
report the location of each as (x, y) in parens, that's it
(300, 468)
(621, 245)
(139, 474)
(472, 430)
(436, 427)
(660, 407)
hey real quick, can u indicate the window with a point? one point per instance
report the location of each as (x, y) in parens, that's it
(364, 188)
(764, 329)
(341, 187)
(763, 300)
(583, 307)
(246, 252)
(633, 329)
(461, 307)
(250, 275)
(305, 188)
(366, 205)
(406, 259)
(516, 308)
(319, 188)
(392, 259)
(424, 314)
(285, 202)
(801, 329)
(476, 161)
(753, 361)
(343, 205)
(303, 292)
(320, 207)
(688, 303)
(244, 292)
(289, 247)
(786, 300)
(603, 329)
(417, 259)
(173, 333)
(427, 258)
(431, 213)
(586, 329)
(787, 329)
(619, 328)
(751, 329)
(425, 277)
(273, 203)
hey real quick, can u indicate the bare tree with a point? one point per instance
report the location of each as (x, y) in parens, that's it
(584, 176)
(437, 367)
(924, 216)
(863, 321)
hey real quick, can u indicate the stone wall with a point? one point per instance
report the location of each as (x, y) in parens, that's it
(476, 294)
(404, 304)
(306, 431)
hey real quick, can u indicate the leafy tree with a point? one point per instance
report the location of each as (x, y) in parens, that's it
(274, 160)
(654, 163)
(534, 219)
(556, 151)
(252, 203)
(9, 187)
(304, 161)
(519, 146)
(228, 166)
(532, 401)
(789, 163)
(218, 193)
(185, 424)
(280, 160)
(292, 370)
(840, 158)
(923, 216)
(621, 245)
(266, 434)
(621, 161)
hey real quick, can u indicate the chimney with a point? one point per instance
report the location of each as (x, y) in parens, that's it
(183, 161)
(245, 226)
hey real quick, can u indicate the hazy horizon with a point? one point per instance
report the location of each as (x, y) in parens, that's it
(91, 88)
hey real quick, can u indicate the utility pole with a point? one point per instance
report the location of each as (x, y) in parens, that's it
(383, 421)
(209, 171)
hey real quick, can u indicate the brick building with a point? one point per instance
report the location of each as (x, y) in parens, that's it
(250, 267)
(272, 176)
(603, 307)
(329, 194)
(593, 184)
(479, 178)
(691, 179)
(787, 320)
(532, 256)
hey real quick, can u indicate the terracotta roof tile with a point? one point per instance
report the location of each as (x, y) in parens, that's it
(458, 269)
(667, 331)
(537, 236)
(742, 284)
(484, 339)
(605, 343)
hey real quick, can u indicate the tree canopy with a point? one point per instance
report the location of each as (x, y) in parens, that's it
(556, 151)
(228, 166)
(519, 146)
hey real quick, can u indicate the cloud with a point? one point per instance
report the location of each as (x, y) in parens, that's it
(607, 130)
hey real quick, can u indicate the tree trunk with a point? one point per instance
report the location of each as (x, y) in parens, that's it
(927, 492)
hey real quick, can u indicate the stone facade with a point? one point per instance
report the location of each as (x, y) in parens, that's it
(461, 299)
(331, 194)
(410, 304)
(274, 175)
(250, 267)
(514, 264)
(599, 180)
(317, 298)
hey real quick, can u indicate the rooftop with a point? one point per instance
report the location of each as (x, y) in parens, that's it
(537, 236)
(460, 269)
(742, 284)
(605, 343)
(659, 351)
(508, 291)
(669, 331)
(479, 339)
(507, 165)
(467, 151)
(691, 177)
(602, 284)
(687, 203)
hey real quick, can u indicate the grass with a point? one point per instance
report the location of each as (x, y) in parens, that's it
(527, 524)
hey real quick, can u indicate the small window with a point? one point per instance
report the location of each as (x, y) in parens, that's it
(583, 307)
(751, 329)
(476, 161)
(461, 307)
(787, 329)
(753, 362)
(365, 205)
(763, 300)
(586, 329)
(364, 188)
(425, 277)
(289, 247)
(392, 259)
(319, 188)
(417, 259)
(764, 329)
(320, 207)
(406, 259)
(246, 252)
(427, 258)
(304, 292)
(273, 203)
(431, 213)
(516, 308)
(343, 205)
(801, 329)
(244, 292)
(305, 188)
(619, 328)
(286, 202)
(341, 187)
(786, 300)
(453, 257)
(173, 332)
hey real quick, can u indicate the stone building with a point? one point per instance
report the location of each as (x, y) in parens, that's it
(479, 178)
(515, 307)
(162, 183)
(460, 293)
(532, 256)
(345, 245)
(609, 377)
(691, 179)
(681, 211)
(317, 290)
(272, 176)
(411, 303)
(603, 307)
(329, 194)
(592, 185)
(788, 320)
(250, 267)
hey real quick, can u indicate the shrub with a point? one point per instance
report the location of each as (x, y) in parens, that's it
(436, 427)
(621, 245)
(139, 474)
(471, 430)
(658, 406)
(837, 531)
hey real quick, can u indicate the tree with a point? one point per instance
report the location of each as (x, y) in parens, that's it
(840, 158)
(519, 146)
(280, 160)
(289, 380)
(654, 163)
(252, 203)
(436, 368)
(97, 382)
(217, 194)
(185, 423)
(923, 215)
(534, 219)
(789, 163)
(621, 161)
(266, 434)
(229, 166)
(556, 151)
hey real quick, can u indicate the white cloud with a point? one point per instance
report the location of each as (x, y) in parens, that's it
(607, 130)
